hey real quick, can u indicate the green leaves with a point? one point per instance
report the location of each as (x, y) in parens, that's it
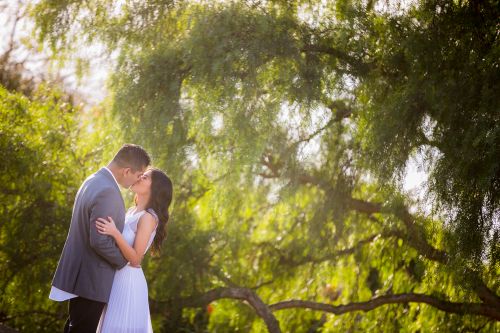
(287, 128)
(430, 98)
(45, 156)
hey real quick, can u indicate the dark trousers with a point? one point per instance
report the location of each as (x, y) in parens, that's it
(84, 315)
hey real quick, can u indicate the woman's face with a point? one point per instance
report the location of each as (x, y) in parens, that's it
(143, 185)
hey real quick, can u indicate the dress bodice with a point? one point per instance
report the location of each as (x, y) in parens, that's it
(130, 228)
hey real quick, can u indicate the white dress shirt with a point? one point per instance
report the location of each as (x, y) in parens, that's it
(59, 295)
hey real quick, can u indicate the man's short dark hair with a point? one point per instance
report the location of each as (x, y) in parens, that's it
(132, 156)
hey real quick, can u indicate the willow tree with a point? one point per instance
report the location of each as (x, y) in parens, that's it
(288, 126)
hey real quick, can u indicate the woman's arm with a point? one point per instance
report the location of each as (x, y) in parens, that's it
(145, 228)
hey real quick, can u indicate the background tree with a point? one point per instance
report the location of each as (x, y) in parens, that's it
(46, 152)
(48, 146)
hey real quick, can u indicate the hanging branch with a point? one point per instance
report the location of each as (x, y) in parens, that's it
(415, 237)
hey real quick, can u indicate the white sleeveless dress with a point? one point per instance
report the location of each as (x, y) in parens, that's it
(128, 308)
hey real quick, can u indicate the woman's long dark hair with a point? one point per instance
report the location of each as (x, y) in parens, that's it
(159, 202)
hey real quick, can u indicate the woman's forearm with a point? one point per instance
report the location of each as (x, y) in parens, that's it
(128, 251)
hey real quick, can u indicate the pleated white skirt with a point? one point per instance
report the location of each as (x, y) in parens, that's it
(128, 308)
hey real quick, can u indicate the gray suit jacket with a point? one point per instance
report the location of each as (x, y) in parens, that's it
(89, 259)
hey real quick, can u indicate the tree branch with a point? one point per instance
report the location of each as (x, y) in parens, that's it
(415, 239)
(358, 67)
(483, 292)
(341, 110)
(243, 294)
(265, 311)
(450, 307)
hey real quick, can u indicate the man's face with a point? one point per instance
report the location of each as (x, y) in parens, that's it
(130, 177)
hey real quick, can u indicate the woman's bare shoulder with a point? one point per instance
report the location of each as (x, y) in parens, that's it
(147, 219)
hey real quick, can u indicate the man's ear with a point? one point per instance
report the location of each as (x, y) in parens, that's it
(126, 171)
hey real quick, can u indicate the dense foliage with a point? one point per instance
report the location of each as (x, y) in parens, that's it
(287, 127)
(46, 152)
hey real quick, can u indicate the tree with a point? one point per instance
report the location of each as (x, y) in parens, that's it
(287, 127)
(46, 152)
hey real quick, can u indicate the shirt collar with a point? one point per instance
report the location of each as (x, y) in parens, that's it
(112, 176)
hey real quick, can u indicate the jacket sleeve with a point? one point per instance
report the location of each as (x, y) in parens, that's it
(103, 205)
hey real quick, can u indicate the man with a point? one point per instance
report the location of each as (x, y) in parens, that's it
(89, 259)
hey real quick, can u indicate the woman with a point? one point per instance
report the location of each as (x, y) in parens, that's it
(128, 308)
